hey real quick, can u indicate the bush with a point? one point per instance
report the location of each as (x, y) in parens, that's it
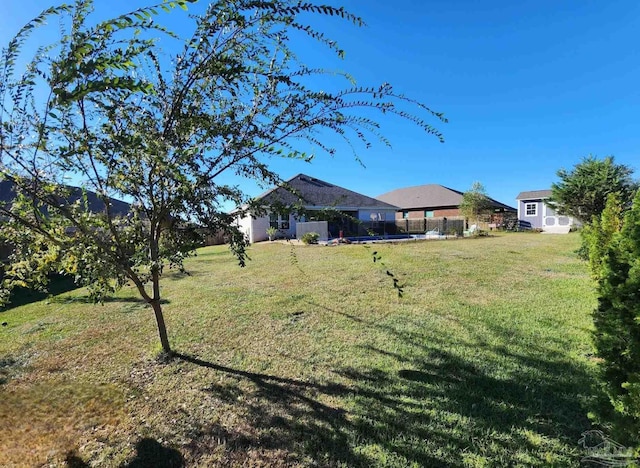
(310, 238)
(616, 320)
(271, 232)
(597, 236)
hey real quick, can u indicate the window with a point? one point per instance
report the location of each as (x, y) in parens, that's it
(405, 215)
(273, 220)
(428, 214)
(530, 209)
(279, 221)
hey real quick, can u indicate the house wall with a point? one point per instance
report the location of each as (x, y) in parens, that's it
(291, 232)
(256, 228)
(412, 214)
(245, 225)
(447, 212)
(259, 228)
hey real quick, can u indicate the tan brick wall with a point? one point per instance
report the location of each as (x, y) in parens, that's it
(447, 212)
(413, 214)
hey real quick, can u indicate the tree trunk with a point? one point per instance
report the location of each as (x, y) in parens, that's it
(162, 329)
(157, 309)
(154, 239)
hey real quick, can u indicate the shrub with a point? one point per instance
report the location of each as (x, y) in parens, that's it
(310, 238)
(617, 325)
(597, 236)
(271, 232)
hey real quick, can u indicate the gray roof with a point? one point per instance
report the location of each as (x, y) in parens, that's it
(534, 195)
(429, 196)
(318, 193)
(423, 196)
(95, 204)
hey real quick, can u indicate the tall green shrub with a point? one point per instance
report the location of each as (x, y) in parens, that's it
(598, 235)
(617, 323)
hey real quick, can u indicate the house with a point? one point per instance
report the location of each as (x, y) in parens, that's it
(305, 198)
(431, 201)
(533, 211)
(95, 204)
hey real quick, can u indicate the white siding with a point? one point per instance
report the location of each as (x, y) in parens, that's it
(260, 226)
(255, 229)
(245, 226)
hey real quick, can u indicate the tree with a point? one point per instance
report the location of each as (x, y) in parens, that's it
(475, 202)
(617, 326)
(107, 109)
(582, 192)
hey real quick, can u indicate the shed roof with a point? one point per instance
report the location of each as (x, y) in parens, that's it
(534, 195)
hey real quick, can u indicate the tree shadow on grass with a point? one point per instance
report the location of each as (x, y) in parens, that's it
(107, 300)
(428, 406)
(149, 454)
(180, 275)
(58, 284)
(288, 415)
(506, 421)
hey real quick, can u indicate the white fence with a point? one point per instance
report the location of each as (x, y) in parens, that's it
(321, 227)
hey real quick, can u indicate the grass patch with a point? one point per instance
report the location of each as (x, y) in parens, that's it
(484, 362)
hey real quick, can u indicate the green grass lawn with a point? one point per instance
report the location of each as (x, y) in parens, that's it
(308, 357)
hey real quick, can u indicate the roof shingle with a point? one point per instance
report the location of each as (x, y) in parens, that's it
(534, 195)
(318, 193)
(422, 196)
(430, 196)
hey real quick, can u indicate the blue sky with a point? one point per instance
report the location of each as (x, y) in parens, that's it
(528, 87)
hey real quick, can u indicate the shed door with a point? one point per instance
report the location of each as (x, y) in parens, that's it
(551, 218)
